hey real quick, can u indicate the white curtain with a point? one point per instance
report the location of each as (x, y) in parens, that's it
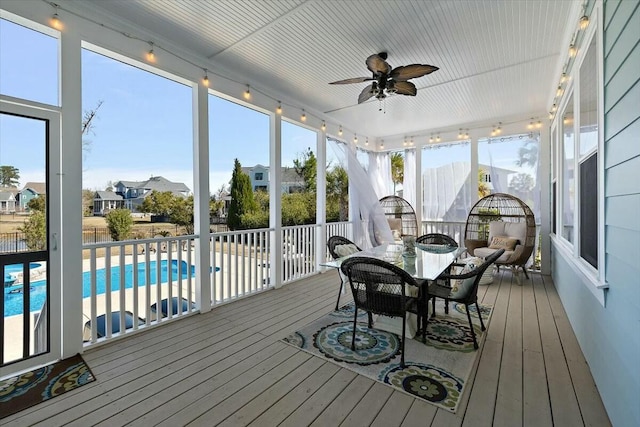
(409, 182)
(380, 173)
(364, 201)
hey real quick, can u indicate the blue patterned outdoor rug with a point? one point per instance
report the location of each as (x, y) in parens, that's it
(28, 389)
(436, 372)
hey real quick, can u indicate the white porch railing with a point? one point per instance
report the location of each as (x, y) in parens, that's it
(239, 264)
(131, 279)
(298, 251)
(452, 229)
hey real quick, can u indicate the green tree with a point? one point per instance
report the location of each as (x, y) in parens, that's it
(306, 167)
(38, 203)
(182, 213)
(294, 209)
(9, 176)
(242, 200)
(87, 202)
(120, 224)
(158, 203)
(397, 169)
(337, 194)
(35, 231)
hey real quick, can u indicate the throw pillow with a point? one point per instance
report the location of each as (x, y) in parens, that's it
(460, 287)
(503, 242)
(345, 250)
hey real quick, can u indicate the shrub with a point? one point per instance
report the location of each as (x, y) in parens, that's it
(120, 224)
(34, 229)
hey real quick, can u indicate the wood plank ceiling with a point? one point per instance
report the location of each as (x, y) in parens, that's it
(498, 58)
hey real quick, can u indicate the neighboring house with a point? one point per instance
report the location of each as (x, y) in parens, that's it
(221, 215)
(104, 201)
(133, 193)
(259, 175)
(7, 202)
(30, 191)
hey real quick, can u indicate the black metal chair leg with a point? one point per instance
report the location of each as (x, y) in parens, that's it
(355, 322)
(480, 316)
(525, 272)
(370, 319)
(433, 307)
(473, 333)
(446, 306)
(404, 327)
(339, 292)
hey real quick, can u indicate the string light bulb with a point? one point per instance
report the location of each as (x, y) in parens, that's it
(466, 134)
(539, 124)
(460, 134)
(303, 117)
(438, 138)
(279, 108)
(247, 93)
(55, 20)
(355, 138)
(554, 107)
(340, 131)
(404, 141)
(559, 91)
(431, 138)
(151, 56)
(563, 77)
(205, 79)
(381, 143)
(530, 125)
(551, 115)
(324, 126)
(499, 129)
(572, 50)
(584, 22)
(366, 141)
(411, 141)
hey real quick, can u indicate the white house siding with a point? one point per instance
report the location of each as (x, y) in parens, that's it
(609, 336)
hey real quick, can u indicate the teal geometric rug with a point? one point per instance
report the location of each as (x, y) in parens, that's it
(437, 371)
(28, 389)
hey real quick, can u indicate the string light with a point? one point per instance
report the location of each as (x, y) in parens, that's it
(466, 134)
(438, 138)
(411, 141)
(382, 143)
(554, 107)
(563, 77)
(460, 134)
(404, 141)
(551, 115)
(247, 93)
(340, 131)
(279, 108)
(355, 138)
(559, 91)
(205, 79)
(539, 124)
(366, 141)
(431, 138)
(499, 129)
(530, 125)
(324, 126)
(151, 56)
(55, 20)
(303, 117)
(572, 50)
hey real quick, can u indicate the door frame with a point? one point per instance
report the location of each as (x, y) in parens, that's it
(52, 117)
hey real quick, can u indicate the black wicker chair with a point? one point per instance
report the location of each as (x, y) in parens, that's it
(438, 239)
(332, 242)
(379, 287)
(468, 296)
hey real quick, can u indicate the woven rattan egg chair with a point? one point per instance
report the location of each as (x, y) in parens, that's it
(400, 216)
(501, 221)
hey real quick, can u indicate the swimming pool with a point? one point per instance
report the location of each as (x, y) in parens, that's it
(10, 271)
(13, 301)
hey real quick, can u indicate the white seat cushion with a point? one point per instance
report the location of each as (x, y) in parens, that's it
(345, 250)
(485, 252)
(515, 230)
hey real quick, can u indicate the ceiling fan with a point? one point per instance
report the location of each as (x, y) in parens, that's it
(388, 81)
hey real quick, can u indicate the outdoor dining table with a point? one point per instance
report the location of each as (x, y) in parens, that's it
(428, 263)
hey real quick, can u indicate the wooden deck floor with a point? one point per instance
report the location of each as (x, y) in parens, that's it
(228, 367)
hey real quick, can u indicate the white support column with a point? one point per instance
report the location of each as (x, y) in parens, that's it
(275, 199)
(418, 178)
(201, 195)
(474, 170)
(69, 242)
(544, 161)
(321, 197)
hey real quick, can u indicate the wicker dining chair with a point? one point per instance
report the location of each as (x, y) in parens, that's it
(380, 288)
(465, 291)
(332, 244)
(438, 239)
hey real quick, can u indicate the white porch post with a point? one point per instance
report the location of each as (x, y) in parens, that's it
(69, 242)
(418, 178)
(201, 196)
(321, 197)
(474, 170)
(275, 199)
(544, 160)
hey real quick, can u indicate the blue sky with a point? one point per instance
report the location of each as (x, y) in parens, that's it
(144, 126)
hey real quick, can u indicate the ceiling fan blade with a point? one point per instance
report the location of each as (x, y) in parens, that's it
(377, 65)
(405, 88)
(412, 71)
(366, 93)
(353, 80)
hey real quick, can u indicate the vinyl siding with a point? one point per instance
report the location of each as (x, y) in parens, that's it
(609, 336)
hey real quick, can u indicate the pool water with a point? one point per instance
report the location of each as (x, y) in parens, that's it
(13, 301)
(11, 270)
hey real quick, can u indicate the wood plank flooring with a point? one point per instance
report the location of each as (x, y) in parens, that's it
(228, 367)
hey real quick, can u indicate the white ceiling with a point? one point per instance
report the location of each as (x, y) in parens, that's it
(498, 59)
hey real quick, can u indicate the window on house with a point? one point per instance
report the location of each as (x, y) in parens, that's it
(568, 171)
(258, 176)
(588, 160)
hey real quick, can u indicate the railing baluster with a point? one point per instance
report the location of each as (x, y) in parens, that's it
(122, 289)
(134, 286)
(94, 295)
(107, 293)
(147, 282)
